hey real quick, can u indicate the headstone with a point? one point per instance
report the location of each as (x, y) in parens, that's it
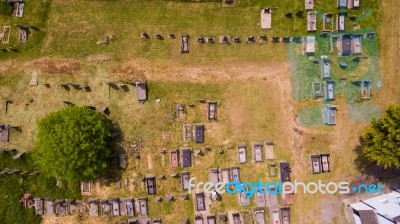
(184, 197)
(12, 171)
(18, 155)
(158, 198)
(34, 79)
(174, 175)
(169, 197)
(33, 173)
(198, 152)
(5, 170)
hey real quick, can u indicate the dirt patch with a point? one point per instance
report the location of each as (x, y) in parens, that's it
(175, 71)
(331, 211)
(98, 58)
(57, 66)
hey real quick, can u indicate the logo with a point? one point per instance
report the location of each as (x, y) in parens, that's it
(251, 188)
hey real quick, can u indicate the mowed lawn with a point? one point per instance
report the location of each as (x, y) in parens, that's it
(242, 119)
(74, 27)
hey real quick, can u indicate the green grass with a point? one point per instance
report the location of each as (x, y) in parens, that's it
(248, 111)
(310, 117)
(36, 14)
(304, 72)
(13, 186)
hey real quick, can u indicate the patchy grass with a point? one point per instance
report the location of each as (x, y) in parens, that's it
(252, 120)
(13, 186)
(35, 14)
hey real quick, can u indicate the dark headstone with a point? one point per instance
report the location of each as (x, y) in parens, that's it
(200, 40)
(297, 39)
(222, 217)
(324, 34)
(144, 35)
(289, 15)
(299, 13)
(250, 39)
(159, 37)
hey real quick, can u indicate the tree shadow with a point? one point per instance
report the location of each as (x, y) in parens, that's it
(372, 171)
(117, 161)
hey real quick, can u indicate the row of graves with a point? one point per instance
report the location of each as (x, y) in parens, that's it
(328, 21)
(319, 163)
(141, 88)
(341, 4)
(212, 107)
(23, 32)
(347, 44)
(257, 152)
(114, 207)
(223, 39)
(266, 15)
(16, 155)
(195, 132)
(185, 40)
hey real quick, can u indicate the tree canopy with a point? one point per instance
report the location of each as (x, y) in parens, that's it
(73, 144)
(382, 139)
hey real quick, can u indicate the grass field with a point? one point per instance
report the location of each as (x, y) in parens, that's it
(251, 82)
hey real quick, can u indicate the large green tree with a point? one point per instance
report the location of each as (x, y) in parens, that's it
(382, 139)
(73, 144)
